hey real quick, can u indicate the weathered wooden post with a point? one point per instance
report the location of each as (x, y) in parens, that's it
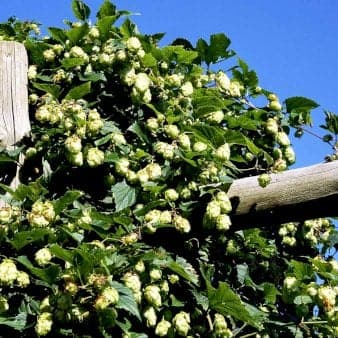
(293, 195)
(14, 116)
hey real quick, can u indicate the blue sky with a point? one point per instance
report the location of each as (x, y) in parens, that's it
(292, 44)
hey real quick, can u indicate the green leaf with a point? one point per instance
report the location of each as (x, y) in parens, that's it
(67, 199)
(77, 33)
(58, 34)
(149, 61)
(79, 91)
(7, 29)
(226, 302)
(258, 317)
(111, 157)
(186, 56)
(103, 140)
(201, 300)
(102, 220)
(302, 270)
(248, 77)
(174, 302)
(52, 89)
(299, 109)
(77, 236)
(295, 331)
(6, 158)
(105, 25)
(331, 122)
(202, 48)
(302, 299)
(23, 238)
(126, 300)
(32, 191)
(61, 253)
(18, 322)
(35, 51)
(137, 130)
(218, 48)
(152, 205)
(206, 101)
(299, 102)
(93, 77)
(124, 195)
(243, 122)
(115, 261)
(7, 189)
(184, 269)
(270, 292)
(129, 29)
(211, 135)
(106, 9)
(48, 274)
(72, 63)
(243, 276)
(80, 10)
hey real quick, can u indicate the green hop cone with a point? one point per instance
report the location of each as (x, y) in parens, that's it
(264, 180)
(155, 274)
(289, 155)
(73, 144)
(181, 322)
(215, 117)
(3, 304)
(222, 153)
(162, 328)
(213, 209)
(181, 224)
(224, 202)
(283, 139)
(171, 195)
(223, 222)
(271, 126)
(95, 157)
(172, 131)
(150, 315)
(44, 324)
(275, 106)
(152, 295)
(199, 147)
(184, 141)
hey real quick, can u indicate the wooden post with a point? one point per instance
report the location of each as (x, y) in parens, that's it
(14, 115)
(293, 195)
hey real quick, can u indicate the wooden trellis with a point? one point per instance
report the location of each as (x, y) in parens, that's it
(298, 194)
(14, 116)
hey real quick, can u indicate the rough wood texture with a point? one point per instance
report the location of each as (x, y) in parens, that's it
(293, 195)
(14, 116)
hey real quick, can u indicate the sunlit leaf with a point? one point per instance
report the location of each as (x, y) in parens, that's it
(124, 195)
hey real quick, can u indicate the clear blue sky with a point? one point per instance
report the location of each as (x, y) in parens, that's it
(292, 44)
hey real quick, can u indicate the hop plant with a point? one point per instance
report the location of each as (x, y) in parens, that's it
(8, 272)
(43, 256)
(162, 328)
(153, 296)
(44, 324)
(181, 323)
(122, 225)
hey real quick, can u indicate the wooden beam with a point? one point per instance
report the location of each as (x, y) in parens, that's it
(14, 115)
(293, 195)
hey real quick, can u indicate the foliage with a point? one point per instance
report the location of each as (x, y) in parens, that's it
(121, 226)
